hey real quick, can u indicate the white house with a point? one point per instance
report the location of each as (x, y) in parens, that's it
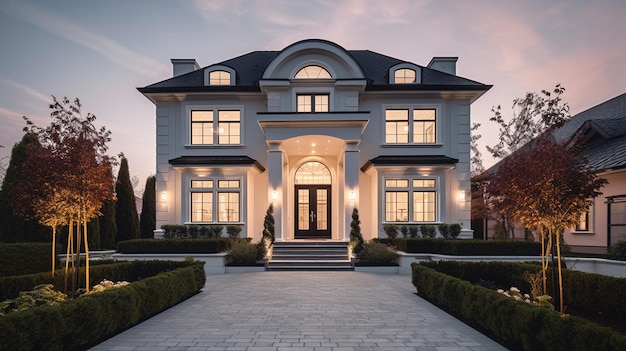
(316, 130)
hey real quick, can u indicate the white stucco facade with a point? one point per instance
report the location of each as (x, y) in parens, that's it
(348, 140)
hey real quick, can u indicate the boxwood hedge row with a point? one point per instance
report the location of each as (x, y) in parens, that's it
(468, 247)
(78, 323)
(128, 271)
(140, 246)
(25, 258)
(593, 293)
(515, 324)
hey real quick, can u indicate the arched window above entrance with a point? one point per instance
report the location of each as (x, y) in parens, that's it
(313, 173)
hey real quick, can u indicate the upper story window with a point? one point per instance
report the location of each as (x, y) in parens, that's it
(406, 126)
(312, 102)
(216, 127)
(404, 76)
(313, 72)
(219, 78)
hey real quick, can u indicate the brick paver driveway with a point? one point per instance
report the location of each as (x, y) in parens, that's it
(308, 311)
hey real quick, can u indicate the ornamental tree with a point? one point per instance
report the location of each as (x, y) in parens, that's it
(546, 187)
(147, 220)
(126, 216)
(70, 177)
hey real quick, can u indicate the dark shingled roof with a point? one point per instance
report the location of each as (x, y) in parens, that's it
(375, 66)
(603, 128)
(412, 160)
(216, 161)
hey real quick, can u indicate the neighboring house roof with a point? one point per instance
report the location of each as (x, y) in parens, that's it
(603, 132)
(249, 70)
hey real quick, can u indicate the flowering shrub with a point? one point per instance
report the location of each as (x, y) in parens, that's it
(42, 294)
(516, 294)
(106, 285)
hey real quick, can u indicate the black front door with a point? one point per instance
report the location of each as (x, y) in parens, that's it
(312, 212)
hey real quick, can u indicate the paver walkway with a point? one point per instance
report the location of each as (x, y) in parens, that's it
(304, 311)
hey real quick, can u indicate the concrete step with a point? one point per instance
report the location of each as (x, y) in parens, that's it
(309, 255)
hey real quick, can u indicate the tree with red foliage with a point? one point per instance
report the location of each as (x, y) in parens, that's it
(68, 177)
(546, 186)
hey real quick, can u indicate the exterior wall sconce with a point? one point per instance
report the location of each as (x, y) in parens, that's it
(463, 195)
(163, 196)
(352, 195)
(274, 195)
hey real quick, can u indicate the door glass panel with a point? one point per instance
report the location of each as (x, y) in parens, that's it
(303, 209)
(322, 209)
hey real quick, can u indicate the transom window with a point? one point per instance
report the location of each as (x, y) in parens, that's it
(219, 78)
(313, 173)
(223, 123)
(404, 76)
(313, 72)
(410, 200)
(312, 102)
(208, 200)
(405, 126)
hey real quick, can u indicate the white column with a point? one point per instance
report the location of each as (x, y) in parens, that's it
(276, 193)
(351, 184)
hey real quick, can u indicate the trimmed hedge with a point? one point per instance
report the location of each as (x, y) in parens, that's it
(515, 324)
(469, 247)
(25, 258)
(593, 293)
(140, 246)
(79, 323)
(128, 271)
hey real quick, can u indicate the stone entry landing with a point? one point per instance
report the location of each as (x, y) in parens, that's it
(310, 255)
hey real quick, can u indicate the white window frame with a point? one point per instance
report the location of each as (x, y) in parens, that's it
(411, 190)
(215, 108)
(312, 91)
(411, 123)
(590, 228)
(417, 69)
(215, 192)
(207, 75)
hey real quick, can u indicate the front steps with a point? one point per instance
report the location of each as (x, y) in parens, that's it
(310, 255)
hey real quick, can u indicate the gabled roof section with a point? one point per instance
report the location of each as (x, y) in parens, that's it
(375, 67)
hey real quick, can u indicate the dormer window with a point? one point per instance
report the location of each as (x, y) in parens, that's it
(219, 78)
(313, 72)
(404, 76)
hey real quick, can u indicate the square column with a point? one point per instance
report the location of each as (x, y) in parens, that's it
(276, 193)
(351, 184)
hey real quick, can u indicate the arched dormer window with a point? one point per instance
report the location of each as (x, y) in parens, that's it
(404, 76)
(313, 72)
(219, 78)
(219, 75)
(405, 73)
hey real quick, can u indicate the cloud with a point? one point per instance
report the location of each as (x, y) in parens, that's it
(107, 47)
(28, 90)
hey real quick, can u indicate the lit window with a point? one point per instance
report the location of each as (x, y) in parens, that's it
(422, 208)
(202, 127)
(204, 197)
(219, 78)
(313, 173)
(312, 103)
(397, 129)
(404, 76)
(205, 124)
(583, 222)
(313, 72)
(397, 126)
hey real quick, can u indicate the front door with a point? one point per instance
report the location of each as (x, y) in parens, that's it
(312, 211)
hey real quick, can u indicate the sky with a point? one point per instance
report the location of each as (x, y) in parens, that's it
(101, 51)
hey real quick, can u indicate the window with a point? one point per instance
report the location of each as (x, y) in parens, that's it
(422, 207)
(205, 197)
(219, 78)
(404, 76)
(313, 72)
(312, 103)
(205, 124)
(397, 123)
(583, 222)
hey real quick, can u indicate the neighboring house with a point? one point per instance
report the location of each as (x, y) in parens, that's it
(315, 130)
(603, 129)
(602, 132)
